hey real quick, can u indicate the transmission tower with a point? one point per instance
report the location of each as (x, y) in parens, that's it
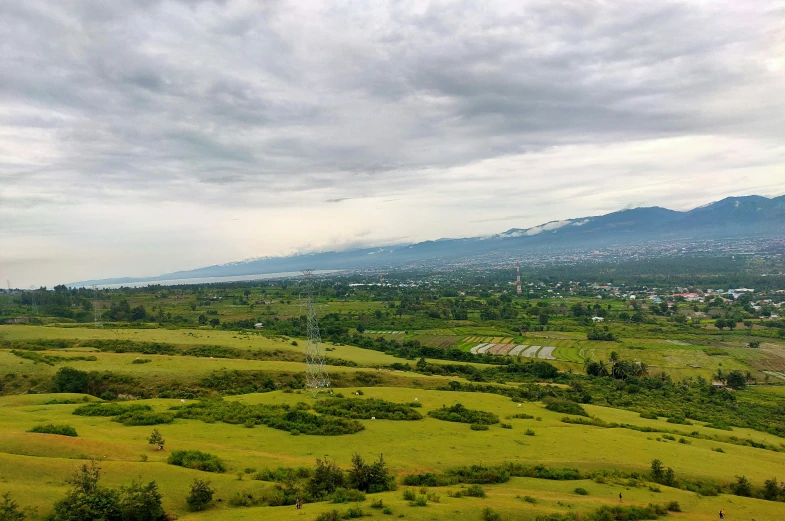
(99, 323)
(34, 307)
(315, 367)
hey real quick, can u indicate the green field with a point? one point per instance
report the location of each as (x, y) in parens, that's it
(175, 354)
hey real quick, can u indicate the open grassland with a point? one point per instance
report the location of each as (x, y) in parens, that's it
(33, 466)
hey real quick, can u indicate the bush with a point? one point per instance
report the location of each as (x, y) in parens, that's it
(673, 506)
(109, 409)
(529, 432)
(370, 477)
(478, 427)
(200, 496)
(62, 430)
(353, 512)
(137, 418)
(70, 380)
(329, 516)
(377, 503)
(529, 499)
(358, 408)
(280, 417)
(342, 495)
(742, 487)
(459, 413)
(475, 491)
(421, 501)
(198, 460)
(9, 509)
(408, 494)
(325, 479)
(567, 408)
(489, 514)
(520, 416)
(506, 426)
(581, 491)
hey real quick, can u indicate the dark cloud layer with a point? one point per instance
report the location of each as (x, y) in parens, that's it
(293, 105)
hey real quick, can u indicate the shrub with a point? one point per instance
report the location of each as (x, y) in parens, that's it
(421, 501)
(489, 514)
(353, 512)
(649, 415)
(141, 361)
(109, 409)
(520, 416)
(198, 460)
(673, 506)
(156, 439)
(581, 491)
(408, 494)
(62, 430)
(529, 499)
(9, 509)
(567, 408)
(742, 487)
(478, 427)
(475, 491)
(365, 409)
(280, 417)
(325, 479)
(459, 413)
(342, 495)
(387, 510)
(329, 516)
(70, 380)
(137, 418)
(377, 503)
(200, 496)
(506, 426)
(370, 477)
(529, 432)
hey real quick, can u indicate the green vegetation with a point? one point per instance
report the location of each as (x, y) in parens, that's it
(197, 460)
(707, 403)
(62, 430)
(459, 413)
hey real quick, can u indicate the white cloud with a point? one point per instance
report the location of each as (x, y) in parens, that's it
(141, 139)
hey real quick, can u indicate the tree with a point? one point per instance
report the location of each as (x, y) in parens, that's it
(326, 477)
(142, 503)
(214, 322)
(543, 318)
(9, 509)
(200, 496)
(202, 319)
(720, 323)
(70, 380)
(88, 501)
(371, 478)
(736, 380)
(156, 439)
(656, 471)
(742, 487)
(770, 490)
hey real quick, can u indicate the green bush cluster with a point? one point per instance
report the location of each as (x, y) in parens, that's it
(459, 413)
(358, 408)
(109, 409)
(198, 460)
(282, 417)
(62, 430)
(565, 407)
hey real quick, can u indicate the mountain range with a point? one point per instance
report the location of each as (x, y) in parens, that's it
(731, 217)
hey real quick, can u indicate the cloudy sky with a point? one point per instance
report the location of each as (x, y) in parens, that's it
(138, 138)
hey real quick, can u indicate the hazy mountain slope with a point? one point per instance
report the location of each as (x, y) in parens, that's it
(733, 216)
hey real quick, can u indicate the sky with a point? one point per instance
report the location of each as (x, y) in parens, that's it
(141, 138)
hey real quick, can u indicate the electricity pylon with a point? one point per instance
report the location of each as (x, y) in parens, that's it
(315, 367)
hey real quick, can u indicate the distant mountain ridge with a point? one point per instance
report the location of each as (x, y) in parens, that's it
(732, 216)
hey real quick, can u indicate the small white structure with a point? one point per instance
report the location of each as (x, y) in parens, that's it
(258, 325)
(598, 319)
(416, 399)
(519, 405)
(182, 401)
(373, 417)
